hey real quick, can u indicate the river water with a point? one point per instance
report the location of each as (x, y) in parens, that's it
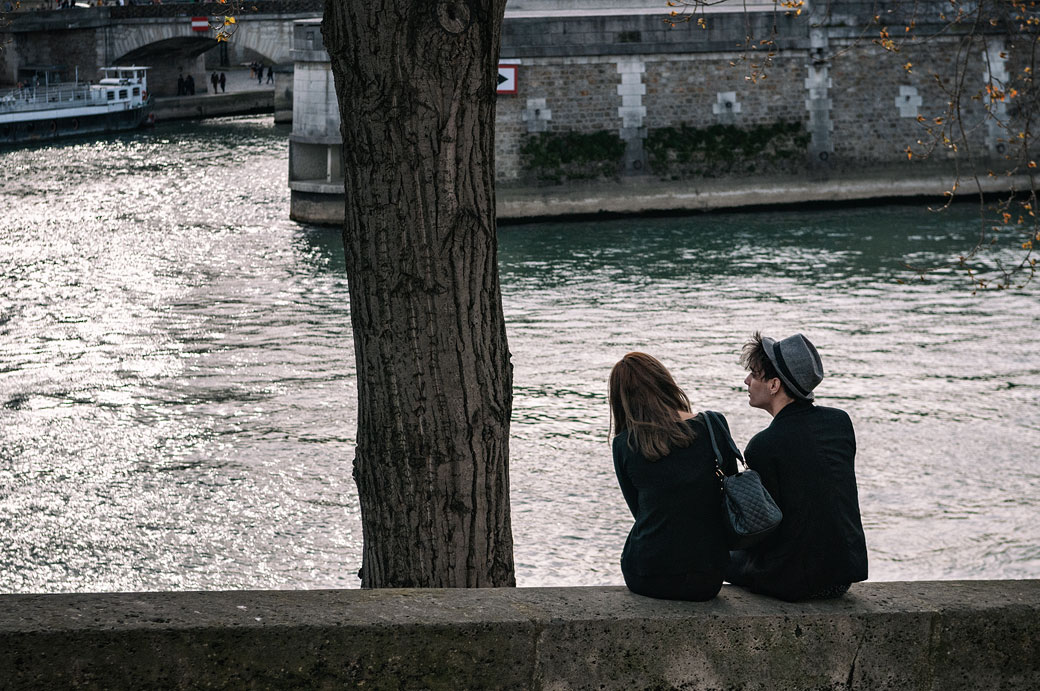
(177, 388)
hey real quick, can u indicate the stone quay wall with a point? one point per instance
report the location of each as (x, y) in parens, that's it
(934, 636)
(855, 105)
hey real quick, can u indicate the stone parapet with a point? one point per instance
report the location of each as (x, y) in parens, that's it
(642, 34)
(213, 105)
(927, 635)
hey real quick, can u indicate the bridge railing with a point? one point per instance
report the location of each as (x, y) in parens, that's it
(170, 8)
(215, 9)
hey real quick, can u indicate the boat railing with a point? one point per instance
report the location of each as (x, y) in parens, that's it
(61, 96)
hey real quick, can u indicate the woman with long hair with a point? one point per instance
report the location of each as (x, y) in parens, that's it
(665, 465)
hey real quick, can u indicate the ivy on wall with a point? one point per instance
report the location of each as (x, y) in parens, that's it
(556, 157)
(685, 151)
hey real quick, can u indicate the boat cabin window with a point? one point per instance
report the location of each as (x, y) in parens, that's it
(137, 91)
(122, 93)
(111, 95)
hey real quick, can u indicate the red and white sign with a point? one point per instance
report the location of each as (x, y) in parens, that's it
(507, 79)
(199, 24)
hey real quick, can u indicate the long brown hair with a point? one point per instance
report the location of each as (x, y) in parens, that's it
(645, 401)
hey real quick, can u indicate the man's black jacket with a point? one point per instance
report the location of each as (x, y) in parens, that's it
(806, 458)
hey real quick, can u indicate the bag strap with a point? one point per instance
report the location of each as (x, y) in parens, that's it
(727, 436)
(711, 416)
(711, 433)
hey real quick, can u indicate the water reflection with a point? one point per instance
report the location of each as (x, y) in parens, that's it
(177, 389)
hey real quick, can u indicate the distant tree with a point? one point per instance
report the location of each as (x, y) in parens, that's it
(416, 84)
(989, 84)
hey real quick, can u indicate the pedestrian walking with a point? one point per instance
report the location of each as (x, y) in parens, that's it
(223, 81)
(214, 80)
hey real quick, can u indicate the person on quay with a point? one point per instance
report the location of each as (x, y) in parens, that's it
(806, 459)
(666, 468)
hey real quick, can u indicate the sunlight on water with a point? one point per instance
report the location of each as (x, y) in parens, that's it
(178, 400)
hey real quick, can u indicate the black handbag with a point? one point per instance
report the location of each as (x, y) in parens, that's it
(750, 514)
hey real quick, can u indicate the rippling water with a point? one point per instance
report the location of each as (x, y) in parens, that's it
(177, 396)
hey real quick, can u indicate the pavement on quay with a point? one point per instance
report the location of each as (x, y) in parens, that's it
(242, 95)
(648, 195)
(238, 80)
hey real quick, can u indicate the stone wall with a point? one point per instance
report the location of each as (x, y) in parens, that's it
(875, 112)
(212, 106)
(933, 636)
(76, 49)
(857, 104)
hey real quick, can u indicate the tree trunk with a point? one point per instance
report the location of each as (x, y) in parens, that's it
(416, 85)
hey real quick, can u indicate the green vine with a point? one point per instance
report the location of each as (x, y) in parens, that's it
(715, 150)
(556, 157)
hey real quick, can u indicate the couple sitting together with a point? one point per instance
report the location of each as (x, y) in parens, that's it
(666, 464)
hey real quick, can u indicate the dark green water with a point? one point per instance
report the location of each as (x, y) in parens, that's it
(177, 397)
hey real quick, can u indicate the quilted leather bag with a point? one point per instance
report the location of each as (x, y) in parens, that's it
(750, 514)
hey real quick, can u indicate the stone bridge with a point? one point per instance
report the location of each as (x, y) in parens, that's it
(160, 36)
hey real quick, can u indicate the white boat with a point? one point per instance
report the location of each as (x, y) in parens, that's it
(119, 101)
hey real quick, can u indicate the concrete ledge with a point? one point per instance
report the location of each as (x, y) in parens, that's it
(318, 187)
(213, 105)
(323, 203)
(643, 196)
(928, 635)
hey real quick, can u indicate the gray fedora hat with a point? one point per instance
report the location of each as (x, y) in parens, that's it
(797, 362)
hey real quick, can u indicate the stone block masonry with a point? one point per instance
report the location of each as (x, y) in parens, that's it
(935, 636)
(822, 73)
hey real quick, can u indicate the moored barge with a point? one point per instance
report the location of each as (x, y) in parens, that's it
(119, 101)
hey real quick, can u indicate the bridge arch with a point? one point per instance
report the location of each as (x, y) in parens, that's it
(180, 49)
(270, 38)
(171, 47)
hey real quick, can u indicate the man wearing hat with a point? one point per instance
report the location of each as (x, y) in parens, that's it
(806, 460)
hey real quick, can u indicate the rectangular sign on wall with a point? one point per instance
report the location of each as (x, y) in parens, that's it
(199, 24)
(507, 79)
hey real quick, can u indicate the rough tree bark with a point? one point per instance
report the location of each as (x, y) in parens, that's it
(416, 84)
